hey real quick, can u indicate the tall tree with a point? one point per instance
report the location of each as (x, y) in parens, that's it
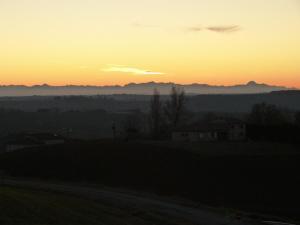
(175, 107)
(156, 116)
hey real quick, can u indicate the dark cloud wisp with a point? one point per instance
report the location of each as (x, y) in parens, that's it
(224, 29)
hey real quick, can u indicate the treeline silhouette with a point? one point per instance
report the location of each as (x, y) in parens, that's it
(265, 122)
(269, 122)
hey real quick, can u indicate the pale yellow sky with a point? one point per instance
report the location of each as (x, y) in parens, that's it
(120, 41)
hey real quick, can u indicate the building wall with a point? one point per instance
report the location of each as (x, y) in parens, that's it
(194, 136)
(16, 147)
(54, 142)
(208, 136)
(236, 132)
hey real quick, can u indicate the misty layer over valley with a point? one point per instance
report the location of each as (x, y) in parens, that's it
(120, 103)
(92, 117)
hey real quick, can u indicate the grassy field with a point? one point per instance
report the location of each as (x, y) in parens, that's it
(18, 206)
(254, 177)
(29, 207)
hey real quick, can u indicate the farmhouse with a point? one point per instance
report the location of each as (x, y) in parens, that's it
(217, 130)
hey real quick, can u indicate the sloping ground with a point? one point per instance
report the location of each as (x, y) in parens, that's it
(107, 207)
(27, 207)
(266, 183)
(117, 207)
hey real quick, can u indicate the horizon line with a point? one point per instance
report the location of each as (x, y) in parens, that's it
(150, 82)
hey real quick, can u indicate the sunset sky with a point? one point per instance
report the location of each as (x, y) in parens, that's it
(104, 42)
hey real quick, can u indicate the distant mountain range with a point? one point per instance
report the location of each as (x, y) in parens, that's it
(140, 89)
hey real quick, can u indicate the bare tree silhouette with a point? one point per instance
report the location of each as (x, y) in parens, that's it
(156, 116)
(175, 107)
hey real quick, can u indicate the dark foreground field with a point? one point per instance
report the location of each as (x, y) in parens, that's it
(265, 182)
(20, 207)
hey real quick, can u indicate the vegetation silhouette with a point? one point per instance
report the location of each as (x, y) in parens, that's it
(269, 122)
(156, 117)
(175, 107)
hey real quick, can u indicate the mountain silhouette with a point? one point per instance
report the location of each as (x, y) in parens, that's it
(251, 87)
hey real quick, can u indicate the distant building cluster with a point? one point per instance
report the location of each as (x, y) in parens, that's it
(17, 142)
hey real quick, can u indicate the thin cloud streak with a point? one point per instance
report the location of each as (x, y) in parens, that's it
(195, 29)
(132, 70)
(224, 29)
